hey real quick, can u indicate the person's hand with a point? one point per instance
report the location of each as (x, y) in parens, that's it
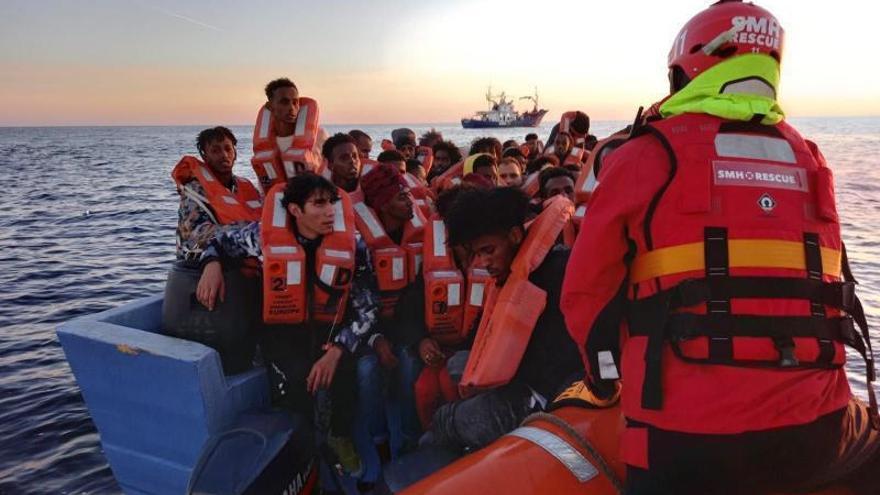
(430, 352)
(386, 356)
(211, 285)
(321, 374)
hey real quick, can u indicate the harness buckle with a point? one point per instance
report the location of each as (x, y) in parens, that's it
(787, 358)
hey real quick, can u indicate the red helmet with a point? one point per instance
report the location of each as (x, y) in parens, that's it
(725, 29)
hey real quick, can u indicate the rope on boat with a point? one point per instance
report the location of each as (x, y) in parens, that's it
(581, 442)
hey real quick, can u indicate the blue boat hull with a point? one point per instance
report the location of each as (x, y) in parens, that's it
(170, 421)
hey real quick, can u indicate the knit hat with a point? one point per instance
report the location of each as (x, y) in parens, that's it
(381, 184)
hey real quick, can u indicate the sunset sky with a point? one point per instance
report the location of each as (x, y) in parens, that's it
(394, 61)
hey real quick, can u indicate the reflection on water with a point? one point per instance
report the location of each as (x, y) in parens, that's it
(88, 223)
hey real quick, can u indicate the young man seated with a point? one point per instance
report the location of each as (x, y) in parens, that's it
(490, 225)
(320, 301)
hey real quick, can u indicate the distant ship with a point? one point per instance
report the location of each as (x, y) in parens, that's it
(502, 113)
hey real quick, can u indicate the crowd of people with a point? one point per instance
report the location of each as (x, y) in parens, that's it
(690, 266)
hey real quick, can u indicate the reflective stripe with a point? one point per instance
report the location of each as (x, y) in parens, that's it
(264, 155)
(453, 295)
(439, 238)
(575, 151)
(755, 253)
(416, 220)
(757, 147)
(339, 217)
(397, 272)
(282, 249)
(580, 211)
(376, 230)
(265, 117)
(328, 273)
(411, 181)
(335, 253)
(607, 368)
(366, 169)
(270, 170)
(289, 169)
(294, 273)
(301, 119)
(229, 200)
(254, 203)
(444, 274)
(206, 174)
(590, 183)
(279, 214)
(476, 298)
(556, 446)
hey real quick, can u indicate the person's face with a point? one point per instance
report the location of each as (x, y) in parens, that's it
(559, 186)
(562, 144)
(400, 207)
(284, 105)
(532, 144)
(442, 161)
(509, 175)
(364, 146)
(220, 156)
(345, 165)
(407, 150)
(316, 216)
(419, 173)
(489, 171)
(400, 165)
(495, 253)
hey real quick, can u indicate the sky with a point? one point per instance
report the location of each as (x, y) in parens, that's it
(114, 62)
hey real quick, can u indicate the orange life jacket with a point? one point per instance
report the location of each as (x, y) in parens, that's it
(532, 185)
(448, 179)
(448, 317)
(423, 196)
(294, 292)
(274, 166)
(512, 311)
(578, 139)
(577, 156)
(245, 205)
(425, 155)
(587, 180)
(396, 265)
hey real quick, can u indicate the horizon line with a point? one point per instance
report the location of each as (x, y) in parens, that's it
(346, 124)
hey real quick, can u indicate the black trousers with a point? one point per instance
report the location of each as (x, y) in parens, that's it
(289, 354)
(839, 447)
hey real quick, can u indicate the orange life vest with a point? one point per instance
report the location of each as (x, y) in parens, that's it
(425, 155)
(274, 166)
(226, 207)
(448, 179)
(423, 196)
(396, 265)
(578, 139)
(577, 156)
(512, 311)
(294, 292)
(587, 180)
(532, 185)
(448, 317)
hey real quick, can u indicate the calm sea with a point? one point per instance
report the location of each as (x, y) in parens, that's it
(88, 224)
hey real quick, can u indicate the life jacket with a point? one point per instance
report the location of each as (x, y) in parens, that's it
(532, 185)
(423, 196)
(294, 292)
(588, 178)
(577, 139)
(577, 156)
(396, 265)
(448, 179)
(245, 205)
(740, 260)
(274, 166)
(425, 155)
(449, 317)
(512, 310)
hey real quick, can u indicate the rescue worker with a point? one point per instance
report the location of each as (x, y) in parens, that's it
(320, 303)
(287, 135)
(723, 267)
(489, 223)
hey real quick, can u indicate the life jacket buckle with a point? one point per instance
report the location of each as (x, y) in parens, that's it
(787, 358)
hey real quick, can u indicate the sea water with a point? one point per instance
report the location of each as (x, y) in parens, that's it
(87, 223)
